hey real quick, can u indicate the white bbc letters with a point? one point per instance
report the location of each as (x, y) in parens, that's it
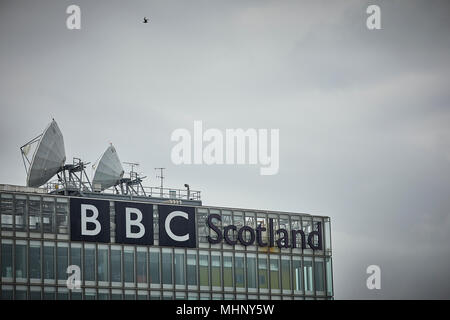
(92, 220)
(136, 222)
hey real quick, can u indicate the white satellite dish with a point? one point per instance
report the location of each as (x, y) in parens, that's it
(108, 170)
(48, 158)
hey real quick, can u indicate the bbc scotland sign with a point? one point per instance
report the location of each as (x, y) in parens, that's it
(90, 221)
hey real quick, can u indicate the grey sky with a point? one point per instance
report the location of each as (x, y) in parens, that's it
(363, 115)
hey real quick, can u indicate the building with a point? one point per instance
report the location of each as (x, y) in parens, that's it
(173, 247)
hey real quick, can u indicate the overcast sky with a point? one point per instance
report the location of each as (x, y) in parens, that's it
(364, 116)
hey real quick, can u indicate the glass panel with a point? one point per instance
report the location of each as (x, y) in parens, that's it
(215, 271)
(167, 267)
(63, 260)
(262, 273)
(116, 265)
(75, 256)
(251, 271)
(203, 229)
(7, 293)
(49, 261)
(179, 269)
(141, 267)
(34, 214)
(89, 263)
(6, 211)
(128, 264)
(7, 249)
(89, 294)
(21, 293)
(307, 272)
(154, 267)
(274, 273)
(35, 260)
(286, 274)
(297, 274)
(318, 275)
(204, 269)
(103, 295)
(228, 271)
(63, 294)
(240, 272)
(20, 212)
(61, 215)
(48, 212)
(35, 293)
(329, 277)
(192, 269)
(49, 293)
(102, 264)
(21, 261)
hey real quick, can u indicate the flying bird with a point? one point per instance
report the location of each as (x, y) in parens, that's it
(145, 20)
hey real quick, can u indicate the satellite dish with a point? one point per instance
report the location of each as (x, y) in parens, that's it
(48, 158)
(108, 170)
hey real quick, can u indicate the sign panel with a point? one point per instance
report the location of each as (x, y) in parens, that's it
(177, 226)
(134, 223)
(89, 220)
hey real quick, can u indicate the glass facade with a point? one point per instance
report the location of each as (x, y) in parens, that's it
(36, 250)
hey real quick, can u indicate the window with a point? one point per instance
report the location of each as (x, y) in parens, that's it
(141, 265)
(318, 275)
(116, 264)
(297, 273)
(75, 255)
(262, 272)
(7, 292)
(204, 269)
(6, 211)
(61, 215)
(34, 214)
(239, 270)
(35, 293)
(215, 270)
(7, 251)
(329, 276)
(251, 271)
(167, 266)
(49, 261)
(102, 263)
(286, 273)
(20, 212)
(89, 262)
(274, 273)
(48, 212)
(49, 293)
(35, 260)
(227, 270)
(192, 269)
(154, 267)
(21, 261)
(63, 260)
(307, 273)
(179, 268)
(21, 293)
(128, 264)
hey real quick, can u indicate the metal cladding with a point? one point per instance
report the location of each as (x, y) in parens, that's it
(48, 158)
(109, 170)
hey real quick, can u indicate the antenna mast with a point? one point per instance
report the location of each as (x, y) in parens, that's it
(161, 177)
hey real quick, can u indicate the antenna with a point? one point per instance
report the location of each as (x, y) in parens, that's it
(108, 170)
(134, 180)
(48, 157)
(161, 177)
